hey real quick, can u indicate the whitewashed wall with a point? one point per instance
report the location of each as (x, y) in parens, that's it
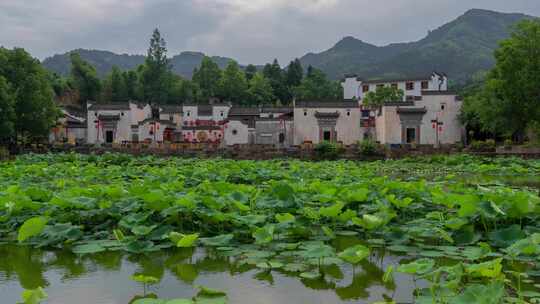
(242, 133)
(306, 127)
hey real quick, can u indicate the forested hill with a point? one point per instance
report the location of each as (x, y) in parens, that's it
(460, 48)
(182, 64)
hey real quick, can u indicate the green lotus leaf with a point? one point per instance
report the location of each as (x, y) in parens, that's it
(418, 267)
(285, 218)
(354, 254)
(33, 296)
(217, 241)
(32, 227)
(88, 248)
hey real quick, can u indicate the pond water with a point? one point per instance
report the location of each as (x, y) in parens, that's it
(105, 278)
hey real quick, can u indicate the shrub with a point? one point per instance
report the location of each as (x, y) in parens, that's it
(4, 153)
(368, 147)
(328, 150)
(508, 144)
(483, 146)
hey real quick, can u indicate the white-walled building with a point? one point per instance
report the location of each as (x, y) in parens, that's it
(204, 122)
(260, 125)
(133, 122)
(429, 120)
(327, 121)
(356, 88)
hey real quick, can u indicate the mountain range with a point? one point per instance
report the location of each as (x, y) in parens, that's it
(460, 48)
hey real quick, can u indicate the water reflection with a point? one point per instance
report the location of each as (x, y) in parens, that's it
(107, 275)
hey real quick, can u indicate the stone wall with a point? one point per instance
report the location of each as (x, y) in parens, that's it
(265, 152)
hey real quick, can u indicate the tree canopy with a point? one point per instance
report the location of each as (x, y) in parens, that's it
(26, 96)
(154, 82)
(85, 79)
(156, 74)
(382, 95)
(509, 101)
(316, 86)
(233, 85)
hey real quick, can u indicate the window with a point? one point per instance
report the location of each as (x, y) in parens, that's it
(348, 112)
(365, 113)
(305, 112)
(234, 132)
(425, 85)
(171, 117)
(221, 114)
(365, 88)
(410, 98)
(443, 106)
(122, 113)
(394, 85)
(188, 113)
(410, 86)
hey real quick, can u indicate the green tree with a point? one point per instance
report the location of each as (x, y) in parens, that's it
(316, 86)
(509, 101)
(382, 95)
(156, 72)
(233, 85)
(84, 78)
(7, 111)
(131, 82)
(207, 78)
(295, 73)
(276, 76)
(250, 71)
(34, 109)
(260, 90)
(118, 85)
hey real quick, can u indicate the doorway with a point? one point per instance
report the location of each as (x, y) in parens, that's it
(327, 135)
(109, 136)
(411, 135)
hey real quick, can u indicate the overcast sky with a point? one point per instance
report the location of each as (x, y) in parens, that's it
(250, 31)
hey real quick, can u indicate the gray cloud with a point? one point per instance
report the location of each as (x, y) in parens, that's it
(252, 31)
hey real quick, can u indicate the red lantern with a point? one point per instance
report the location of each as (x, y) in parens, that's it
(440, 129)
(434, 126)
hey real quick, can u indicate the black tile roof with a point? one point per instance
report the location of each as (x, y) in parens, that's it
(109, 106)
(327, 115)
(244, 111)
(171, 109)
(327, 104)
(411, 110)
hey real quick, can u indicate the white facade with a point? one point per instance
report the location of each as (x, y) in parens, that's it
(131, 122)
(356, 88)
(433, 120)
(334, 121)
(236, 133)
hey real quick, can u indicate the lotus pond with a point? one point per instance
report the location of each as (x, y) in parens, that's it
(117, 229)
